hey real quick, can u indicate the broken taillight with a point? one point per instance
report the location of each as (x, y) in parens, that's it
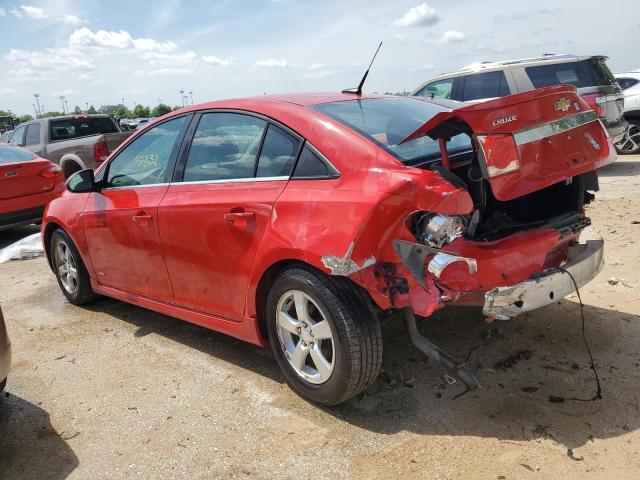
(597, 102)
(500, 153)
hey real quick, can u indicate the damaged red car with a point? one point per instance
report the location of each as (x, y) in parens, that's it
(300, 221)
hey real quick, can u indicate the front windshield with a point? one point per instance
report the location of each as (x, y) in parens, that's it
(387, 121)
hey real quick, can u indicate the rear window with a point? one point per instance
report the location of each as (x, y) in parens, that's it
(627, 82)
(14, 155)
(80, 127)
(388, 121)
(585, 73)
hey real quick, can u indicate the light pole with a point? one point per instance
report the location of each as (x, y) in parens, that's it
(67, 105)
(182, 97)
(123, 103)
(191, 93)
(35, 110)
(87, 103)
(37, 95)
(61, 97)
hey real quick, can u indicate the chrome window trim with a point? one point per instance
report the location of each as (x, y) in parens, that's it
(232, 180)
(554, 127)
(128, 187)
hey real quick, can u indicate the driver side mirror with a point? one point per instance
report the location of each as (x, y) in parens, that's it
(82, 181)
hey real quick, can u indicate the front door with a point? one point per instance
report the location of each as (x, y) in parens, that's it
(121, 220)
(213, 220)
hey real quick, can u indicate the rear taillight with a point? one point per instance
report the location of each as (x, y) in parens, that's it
(51, 172)
(500, 153)
(596, 102)
(100, 152)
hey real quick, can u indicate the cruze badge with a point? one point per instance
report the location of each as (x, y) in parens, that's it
(503, 120)
(563, 104)
(592, 141)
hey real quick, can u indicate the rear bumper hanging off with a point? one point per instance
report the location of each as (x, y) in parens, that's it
(584, 262)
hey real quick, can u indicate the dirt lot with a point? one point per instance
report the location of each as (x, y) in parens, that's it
(119, 392)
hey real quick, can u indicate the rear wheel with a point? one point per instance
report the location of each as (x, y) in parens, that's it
(630, 143)
(69, 269)
(324, 337)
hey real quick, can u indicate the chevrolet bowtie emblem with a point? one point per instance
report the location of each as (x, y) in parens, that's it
(563, 104)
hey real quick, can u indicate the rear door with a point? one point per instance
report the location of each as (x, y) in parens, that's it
(213, 216)
(22, 173)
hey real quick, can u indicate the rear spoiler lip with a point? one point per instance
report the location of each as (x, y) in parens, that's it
(501, 102)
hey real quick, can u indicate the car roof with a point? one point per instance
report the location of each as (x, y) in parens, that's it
(627, 75)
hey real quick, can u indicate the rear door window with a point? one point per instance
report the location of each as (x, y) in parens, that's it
(585, 73)
(33, 134)
(225, 146)
(437, 89)
(485, 85)
(278, 153)
(80, 127)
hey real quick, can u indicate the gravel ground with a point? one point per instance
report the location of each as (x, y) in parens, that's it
(119, 392)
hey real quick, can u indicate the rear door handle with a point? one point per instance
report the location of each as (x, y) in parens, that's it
(239, 218)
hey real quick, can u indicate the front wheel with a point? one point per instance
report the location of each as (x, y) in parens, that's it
(630, 143)
(324, 337)
(69, 269)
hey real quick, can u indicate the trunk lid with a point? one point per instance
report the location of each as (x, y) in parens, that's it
(20, 177)
(528, 141)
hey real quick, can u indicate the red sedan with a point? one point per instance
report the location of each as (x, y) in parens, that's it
(302, 220)
(27, 184)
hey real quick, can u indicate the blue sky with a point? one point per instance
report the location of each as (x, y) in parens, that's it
(101, 52)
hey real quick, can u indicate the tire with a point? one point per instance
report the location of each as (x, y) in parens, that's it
(64, 258)
(630, 144)
(344, 355)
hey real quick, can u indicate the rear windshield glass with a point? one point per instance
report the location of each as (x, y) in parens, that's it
(14, 155)
(586, 73)
(387, 121)
(81, 127)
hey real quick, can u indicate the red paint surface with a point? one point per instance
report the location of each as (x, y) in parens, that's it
(199, 251)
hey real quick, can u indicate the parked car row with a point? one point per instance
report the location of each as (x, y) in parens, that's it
(630, 84)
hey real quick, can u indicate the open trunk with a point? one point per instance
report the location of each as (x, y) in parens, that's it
(533, 161)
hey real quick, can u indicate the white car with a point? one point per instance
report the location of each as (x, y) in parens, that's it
(630, 84)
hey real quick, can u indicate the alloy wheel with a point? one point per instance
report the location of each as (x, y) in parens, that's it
(630, 143)
(305, 337)
(66, 267)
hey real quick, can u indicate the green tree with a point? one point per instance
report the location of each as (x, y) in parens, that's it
(77, 110)
(141, 112)
(160, 110)
(53, 114)
(25, 118)
(92, 110)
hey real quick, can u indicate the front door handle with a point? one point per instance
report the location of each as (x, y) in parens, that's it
(239, 218)
(142, 219)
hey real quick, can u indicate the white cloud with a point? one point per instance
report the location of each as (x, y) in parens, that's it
(3, 12)
(69, 19)
(418, 16)
(33, 12)
(320, 74)
(451, 36)
(50, 59)
(422, 68)
(217, 62)
(83, 77)
(7, 91)
(169, 59)
(122, 40)
(15, 12)
(164, 72)
(272, 63)
(68, 91)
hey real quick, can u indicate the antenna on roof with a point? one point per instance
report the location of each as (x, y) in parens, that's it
(358, 90)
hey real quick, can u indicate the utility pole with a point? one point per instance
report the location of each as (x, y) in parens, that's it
(182, 97)
(191, 93)
(37, 95)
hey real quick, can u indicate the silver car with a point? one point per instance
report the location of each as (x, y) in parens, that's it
(5, 353)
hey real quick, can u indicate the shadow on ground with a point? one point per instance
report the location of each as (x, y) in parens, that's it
(13, 234)
(623, 167)
(520, 363)
(30, 448)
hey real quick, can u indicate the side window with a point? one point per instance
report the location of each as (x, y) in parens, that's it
(18, 136)
(33, 134)
(485, 85)
(225, 146)
(438, 89)
(144, 161)
(278, 153)
(626, 82)
(311, 165)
